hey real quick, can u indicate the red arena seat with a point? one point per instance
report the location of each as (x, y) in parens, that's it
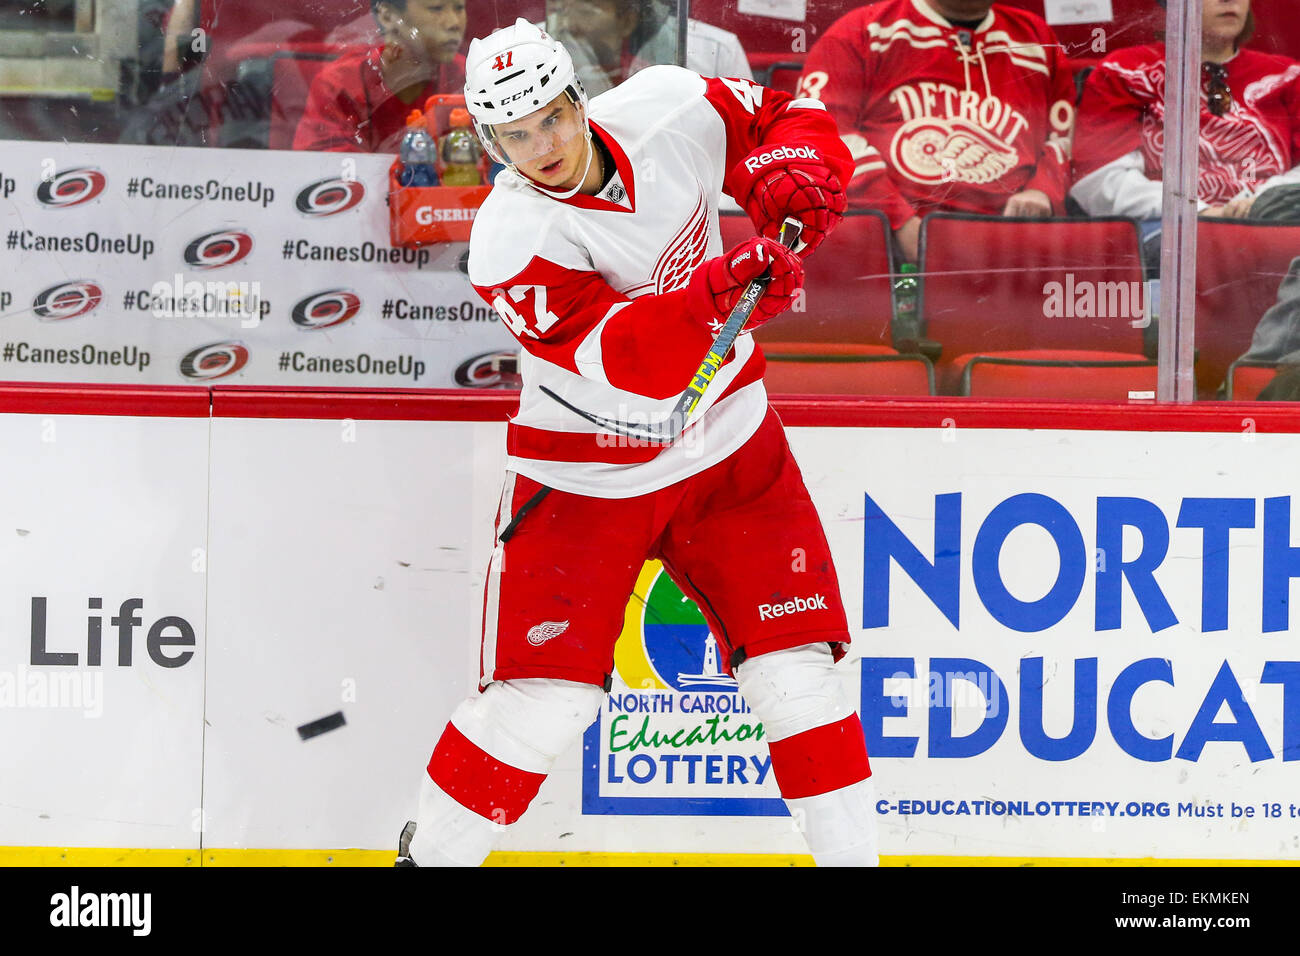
(773, 69)
(847, 288)
(824, 368)
(1006, 289)
(1247, 379)
(1239, 266)
(838, 339)
(1060, 374)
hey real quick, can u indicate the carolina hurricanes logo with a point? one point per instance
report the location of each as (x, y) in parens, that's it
(931, 150)
(320, 311)
(72, 187)
(217, 249)
(214, 361)
(678, 262)
(67, 300)
(489, 370)
(541, 633)
(329, 197)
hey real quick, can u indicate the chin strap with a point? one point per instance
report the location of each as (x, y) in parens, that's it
(591, 155)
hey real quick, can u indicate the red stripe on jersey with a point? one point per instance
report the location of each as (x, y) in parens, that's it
(820, 760)
(478, 781)
(523, 441)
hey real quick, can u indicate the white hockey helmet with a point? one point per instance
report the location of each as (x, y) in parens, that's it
(514, 72)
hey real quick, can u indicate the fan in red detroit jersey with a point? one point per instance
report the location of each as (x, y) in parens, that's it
(1250, 130)
(599, 247)
(957, 105)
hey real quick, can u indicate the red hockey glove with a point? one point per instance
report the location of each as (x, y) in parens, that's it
(718, 283)
(774, 182)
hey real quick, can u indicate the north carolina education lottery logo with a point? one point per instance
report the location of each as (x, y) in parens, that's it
(214, 361)
(217, 249)
(67, 300)
(326, 309)
(329, 197)
(72, 187)
(674, 736)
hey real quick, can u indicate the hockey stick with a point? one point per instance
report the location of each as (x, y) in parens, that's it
(671, 428)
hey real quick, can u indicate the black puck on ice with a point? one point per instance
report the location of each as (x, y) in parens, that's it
(322, 726)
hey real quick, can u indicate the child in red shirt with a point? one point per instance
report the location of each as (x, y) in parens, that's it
(359, 103)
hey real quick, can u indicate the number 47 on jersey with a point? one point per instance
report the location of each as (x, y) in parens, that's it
(543, 318)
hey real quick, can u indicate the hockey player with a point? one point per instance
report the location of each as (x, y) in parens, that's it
(599, 247)
(954, 105)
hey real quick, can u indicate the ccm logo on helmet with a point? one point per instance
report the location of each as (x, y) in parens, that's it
(767, 612)
(516, 96)
(755, 163)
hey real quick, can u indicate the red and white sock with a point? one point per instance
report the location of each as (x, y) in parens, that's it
(819, 755)
(490, 762)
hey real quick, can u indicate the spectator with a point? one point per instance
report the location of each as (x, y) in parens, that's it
(1250, 123)
(359, 103)
(956, 105)
(612, 39)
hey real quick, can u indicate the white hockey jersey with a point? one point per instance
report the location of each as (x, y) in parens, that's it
(594, 286)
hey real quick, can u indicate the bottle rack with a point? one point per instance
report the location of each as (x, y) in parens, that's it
(423, 215)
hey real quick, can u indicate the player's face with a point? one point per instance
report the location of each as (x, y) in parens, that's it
(1224, 20)
(547, 145)
(435, 26)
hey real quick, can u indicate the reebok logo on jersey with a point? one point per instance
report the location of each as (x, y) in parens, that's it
(767, 612)
(755, 163)
(541, 633)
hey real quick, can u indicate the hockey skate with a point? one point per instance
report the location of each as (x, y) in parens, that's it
(404, 845)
